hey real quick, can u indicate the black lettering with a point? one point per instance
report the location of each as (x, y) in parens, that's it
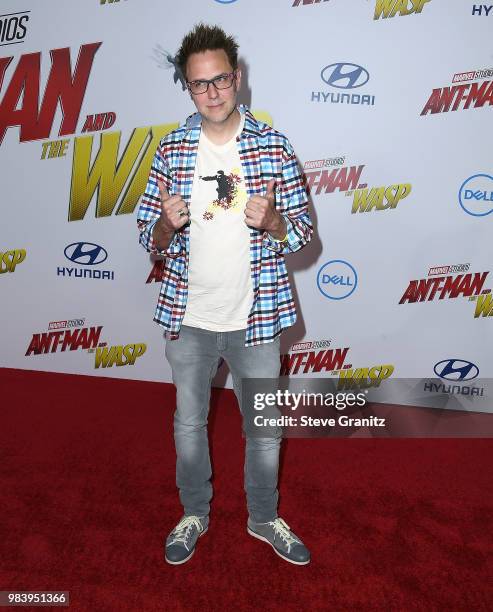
(24, 18)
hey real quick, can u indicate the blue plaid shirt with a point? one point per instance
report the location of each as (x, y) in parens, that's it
(264, 154)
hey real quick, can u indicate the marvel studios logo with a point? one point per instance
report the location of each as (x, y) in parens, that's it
(437, 270)
(66, 324)
(310, 344)
(472, 75)
(324, 163)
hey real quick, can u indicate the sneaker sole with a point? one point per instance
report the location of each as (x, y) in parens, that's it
(189, 556)
(259, 537)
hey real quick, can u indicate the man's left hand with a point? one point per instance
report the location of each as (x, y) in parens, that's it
(261, 213)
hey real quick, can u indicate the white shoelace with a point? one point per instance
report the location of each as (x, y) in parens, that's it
(281, 528)
(181, 532)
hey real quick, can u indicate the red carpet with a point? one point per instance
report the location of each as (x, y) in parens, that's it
(88, 495)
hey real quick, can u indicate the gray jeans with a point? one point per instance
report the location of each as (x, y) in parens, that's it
(194, 358)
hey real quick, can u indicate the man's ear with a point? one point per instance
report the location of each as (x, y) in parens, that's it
(238, 78)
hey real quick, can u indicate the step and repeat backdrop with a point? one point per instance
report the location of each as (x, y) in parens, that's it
(388, 104)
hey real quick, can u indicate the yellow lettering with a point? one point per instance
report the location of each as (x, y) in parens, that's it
(109, 174)
(484, 306)
(383, 6)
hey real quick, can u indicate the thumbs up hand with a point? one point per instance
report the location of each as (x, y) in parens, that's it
(261, 213)
(174, 211)
(174, 214)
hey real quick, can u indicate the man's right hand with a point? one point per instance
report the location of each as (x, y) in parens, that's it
(174, 215)
(174, 211)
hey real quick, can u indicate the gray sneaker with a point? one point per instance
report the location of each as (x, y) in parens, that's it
(180, 544)
(283, 541)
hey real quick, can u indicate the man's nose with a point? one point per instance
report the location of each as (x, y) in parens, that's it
(212, 91)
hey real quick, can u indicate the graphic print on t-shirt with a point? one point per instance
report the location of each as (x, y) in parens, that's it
(230, 194)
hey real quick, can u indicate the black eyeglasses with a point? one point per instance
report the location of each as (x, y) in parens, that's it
(223, 81)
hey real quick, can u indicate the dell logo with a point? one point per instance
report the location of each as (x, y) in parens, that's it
(337, 279)
(476, 195)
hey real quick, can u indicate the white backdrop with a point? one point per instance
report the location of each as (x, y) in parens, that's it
(286, 47)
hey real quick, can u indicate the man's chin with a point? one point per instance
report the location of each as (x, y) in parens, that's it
(216, 116)
(220, 115)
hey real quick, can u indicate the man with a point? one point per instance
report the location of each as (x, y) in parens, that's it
(224, 202)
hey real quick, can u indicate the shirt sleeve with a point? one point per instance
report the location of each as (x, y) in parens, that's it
(292, 203)
(150, 208)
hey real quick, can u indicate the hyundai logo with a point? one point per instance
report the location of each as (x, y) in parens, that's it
(456, 369)
(337, 279)
(85, 253)
(345, 75)
(476, 195)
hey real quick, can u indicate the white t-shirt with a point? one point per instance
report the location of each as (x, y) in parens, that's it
(220, 293)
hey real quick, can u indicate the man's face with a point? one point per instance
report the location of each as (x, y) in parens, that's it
(215, 105)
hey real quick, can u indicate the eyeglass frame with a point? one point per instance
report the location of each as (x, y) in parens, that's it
(233, 74)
